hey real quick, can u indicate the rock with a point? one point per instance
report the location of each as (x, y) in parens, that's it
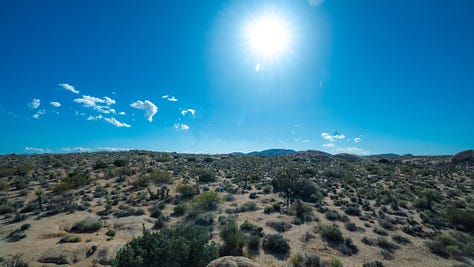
(463, 156)
(230, 261)
(64, 255)
(107, 253)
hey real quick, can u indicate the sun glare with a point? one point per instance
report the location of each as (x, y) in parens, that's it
(268, 36)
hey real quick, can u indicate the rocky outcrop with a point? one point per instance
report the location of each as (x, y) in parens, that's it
(230, 261)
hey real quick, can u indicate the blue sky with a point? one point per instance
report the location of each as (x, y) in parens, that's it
(361, 77)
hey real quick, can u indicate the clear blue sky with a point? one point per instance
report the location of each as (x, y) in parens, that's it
(362, 77)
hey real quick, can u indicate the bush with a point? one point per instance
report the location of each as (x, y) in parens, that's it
(121, 162)
(180, 209)
(74, 180)
(373, 264)
(205, 175)
(380, 231)
(70, 239)
(85, 227)
(186, 190)
(252, 229)
(279, 226)
(401, 240)
(205, 219)
(276, 244)
(110, 232)
(303, 259)
(234, 240)
(183, 245)
(207, 200)
(463, 219)
(248, 206)
(335, 263)
(159, 177)
(331, 233)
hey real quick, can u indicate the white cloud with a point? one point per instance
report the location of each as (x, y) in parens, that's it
(117, 123)
(357, 140)
(112, 149)
(170, 98)
(329, 145)
(332, 138)
(37, 150)
(122, 113)
(69, 87)
(189, 110)
(76, 149)
(181, 126)
(101, 105)
(55, 104)
(112, 121)
(34, 104)
(302, 140)
(39, 113)
(149, 108)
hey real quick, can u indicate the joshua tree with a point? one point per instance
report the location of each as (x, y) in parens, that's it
(39, 193)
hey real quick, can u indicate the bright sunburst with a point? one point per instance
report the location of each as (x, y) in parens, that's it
(268, 36)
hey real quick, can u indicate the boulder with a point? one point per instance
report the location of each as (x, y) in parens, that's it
(230, 261)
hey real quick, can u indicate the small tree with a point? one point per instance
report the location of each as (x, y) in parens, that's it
(234, 240)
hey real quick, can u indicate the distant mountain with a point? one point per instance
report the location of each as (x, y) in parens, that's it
(267, 153)
(463, 156)
(386, 155)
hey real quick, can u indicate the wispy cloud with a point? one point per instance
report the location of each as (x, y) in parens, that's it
(302, 140)
(101, 105)
(69, 87)
(181, 126)
(149, 108)
(76, 149)
(189, 110)
(34, 104)
(332, 138)
(122, 113)
(30, 149)
(39, 113)
(170, 98)
(117, 123)
(111, 120)
(55, 104)
(112, 149)
(357, 140)
(329, 145)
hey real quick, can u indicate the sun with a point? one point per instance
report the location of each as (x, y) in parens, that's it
(268, 36)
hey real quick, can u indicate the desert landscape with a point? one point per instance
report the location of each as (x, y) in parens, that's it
(306, 208)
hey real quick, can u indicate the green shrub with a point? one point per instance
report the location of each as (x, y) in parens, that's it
(85, 227)
(304, 259)
(331, 233)
(207, 200)
(120, 162)
(335, 262)
(159, 177)
(462, 218)
(186, 190)
(248, 206)
(183, 245)
(276, 244)
(234, 240)
(110, 232)
(252, 229)
(180, 209)
(70, 239)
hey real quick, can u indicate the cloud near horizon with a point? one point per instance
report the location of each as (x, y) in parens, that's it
(69, 88)
(149, 108)
(36, 150)
(332, 138)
